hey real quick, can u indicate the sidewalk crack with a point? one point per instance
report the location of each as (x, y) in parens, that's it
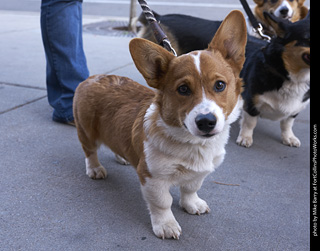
(22, 105)
(24, 86)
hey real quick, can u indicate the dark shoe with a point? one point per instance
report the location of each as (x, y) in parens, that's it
(63, 121)
(71, 123)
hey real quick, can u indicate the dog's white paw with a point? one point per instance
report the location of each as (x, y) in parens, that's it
(195, 206)
(169, 229)
(97, 172)
(291, 141)
(245, 141)
(121, 160)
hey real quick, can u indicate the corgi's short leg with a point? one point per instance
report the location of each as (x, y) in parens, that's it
(157, 195)
(247, 125)
(121, 160)
(93, 167)
(287, 135)
(190, 200)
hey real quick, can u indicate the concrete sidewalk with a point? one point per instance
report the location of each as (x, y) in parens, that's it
(259, 197)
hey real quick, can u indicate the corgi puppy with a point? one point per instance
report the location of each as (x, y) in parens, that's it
(187, 33)
(293, 10)
(174, 135)
(277, 79)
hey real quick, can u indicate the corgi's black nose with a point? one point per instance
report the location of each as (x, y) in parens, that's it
(284, 11)
(206, 122)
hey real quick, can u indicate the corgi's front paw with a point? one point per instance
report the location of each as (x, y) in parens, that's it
(291, 141)
(169, 229)
(245, 141)
(97, 172)
(195, 206)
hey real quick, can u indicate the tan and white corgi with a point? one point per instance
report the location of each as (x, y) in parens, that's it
(292, 10)
(174, 135)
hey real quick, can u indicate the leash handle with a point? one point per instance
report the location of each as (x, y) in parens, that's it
(160, 36)
(257, 27)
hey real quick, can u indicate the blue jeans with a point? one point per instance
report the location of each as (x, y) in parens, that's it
(61, 28)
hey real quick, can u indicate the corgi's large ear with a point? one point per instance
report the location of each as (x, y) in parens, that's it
(304, 12)
(231, 40)
(151, 60)
(277, 23)
(259, 2)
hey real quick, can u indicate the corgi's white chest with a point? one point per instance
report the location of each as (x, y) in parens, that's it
(288, 100)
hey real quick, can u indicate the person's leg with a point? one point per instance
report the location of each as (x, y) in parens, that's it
(61, 26)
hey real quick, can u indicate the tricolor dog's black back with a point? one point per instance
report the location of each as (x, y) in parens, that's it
(186, 33)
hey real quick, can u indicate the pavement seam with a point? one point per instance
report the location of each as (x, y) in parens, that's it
(22, 105)
(118, 68)
(24, 86)
(18, 31)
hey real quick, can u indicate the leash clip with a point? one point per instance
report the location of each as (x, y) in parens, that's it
(259, 30)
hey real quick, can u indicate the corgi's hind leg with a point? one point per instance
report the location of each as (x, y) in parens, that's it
(121, 160)
(94, 169)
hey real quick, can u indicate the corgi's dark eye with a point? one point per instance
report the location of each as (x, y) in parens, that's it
(184, 90)
(219, 86)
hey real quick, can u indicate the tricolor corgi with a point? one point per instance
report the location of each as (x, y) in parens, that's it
(292, 10)
(174, 135)
(277, 79)
(188, 33)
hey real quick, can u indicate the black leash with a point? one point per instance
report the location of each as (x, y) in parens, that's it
(257, 27)
(160, 36)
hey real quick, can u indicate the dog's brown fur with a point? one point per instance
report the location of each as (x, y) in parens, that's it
(109, 103)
